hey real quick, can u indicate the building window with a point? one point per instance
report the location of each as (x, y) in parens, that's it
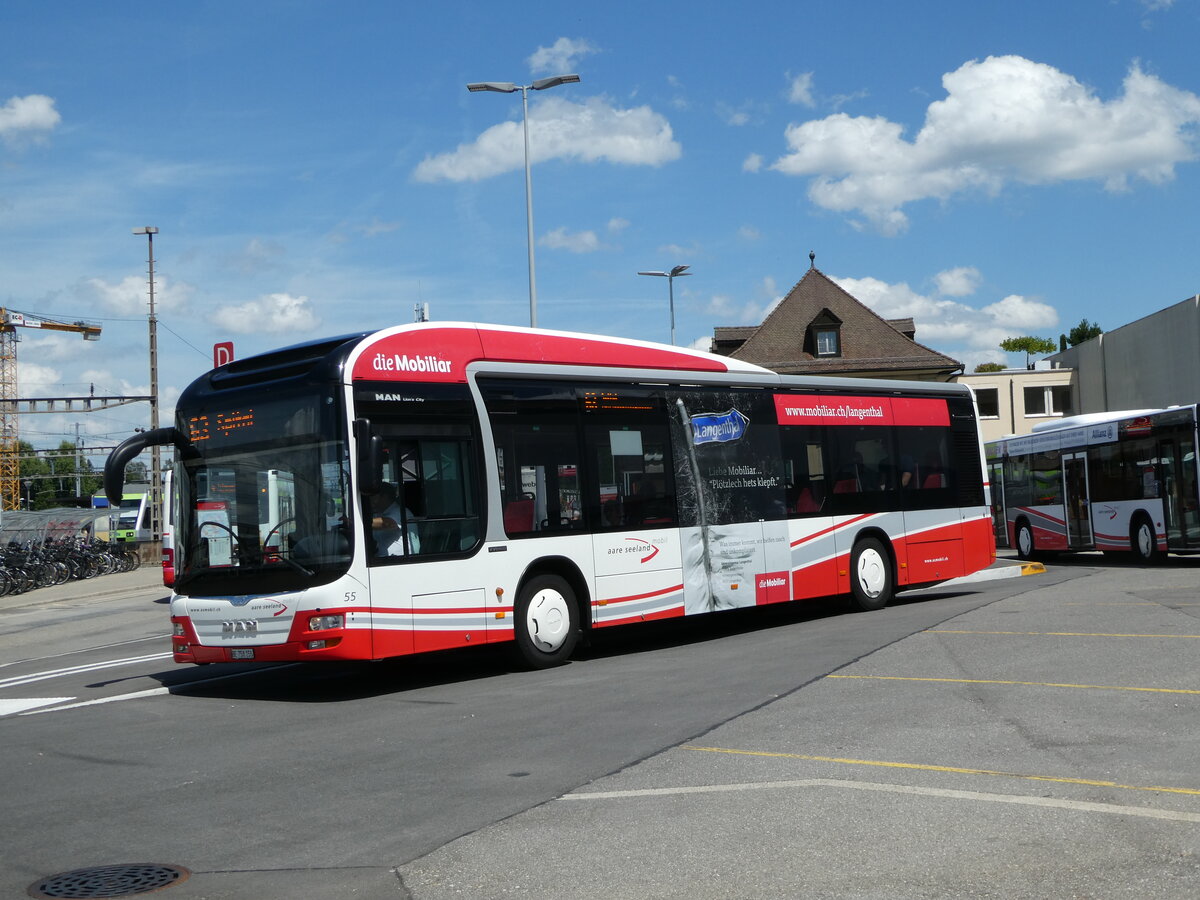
(827, 342)
(988, 400)
(1048, 400)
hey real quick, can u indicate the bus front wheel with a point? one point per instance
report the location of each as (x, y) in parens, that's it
(1143, 540)
(871, 581)
(1025, 545)
(546, 622)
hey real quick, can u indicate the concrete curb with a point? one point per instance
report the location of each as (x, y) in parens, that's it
(997, 572)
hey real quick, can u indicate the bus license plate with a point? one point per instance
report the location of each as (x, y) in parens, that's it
(242, 654)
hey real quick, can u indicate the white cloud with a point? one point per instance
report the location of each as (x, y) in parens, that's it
(963, 332)
(749, 233)
(1004, 119)
(590, 131)
(732, 115)
(616, 224)
(575, 242)
(34, 380)
(376, 227)
(131, 297)
(27, 118)
(752, 163)
(560, 57)
(269, 314)
(960, 282)
(800, 90)
(727, 311)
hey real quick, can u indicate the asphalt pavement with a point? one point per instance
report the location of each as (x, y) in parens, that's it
(1040, 745)
(1043, 745)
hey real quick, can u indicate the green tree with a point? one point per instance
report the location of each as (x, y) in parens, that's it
(990, 367)
(1084, 331)
(49, 478)
(1028, 345)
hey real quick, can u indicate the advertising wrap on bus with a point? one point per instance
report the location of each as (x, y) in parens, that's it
(448, 484)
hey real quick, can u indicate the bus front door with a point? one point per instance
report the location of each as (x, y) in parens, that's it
(1178, 479)
(1076, 505)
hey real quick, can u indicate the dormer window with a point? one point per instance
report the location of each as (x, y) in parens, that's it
(823, 337)
(827, 340)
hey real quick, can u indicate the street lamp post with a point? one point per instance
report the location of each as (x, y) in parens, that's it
(677, 272)
(155, 458)
(507, 87)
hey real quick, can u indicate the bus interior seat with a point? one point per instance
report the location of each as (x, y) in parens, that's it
(518, 516)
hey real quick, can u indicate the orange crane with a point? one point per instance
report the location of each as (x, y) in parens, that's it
(10, 464)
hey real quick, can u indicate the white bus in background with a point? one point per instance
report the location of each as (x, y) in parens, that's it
(1120, 482)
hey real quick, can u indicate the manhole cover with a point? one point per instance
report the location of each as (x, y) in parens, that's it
(110, 881)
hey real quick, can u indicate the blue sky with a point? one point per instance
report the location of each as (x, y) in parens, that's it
(991, 169)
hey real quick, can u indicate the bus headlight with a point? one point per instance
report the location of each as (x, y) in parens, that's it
(177, 629)
(324, 623)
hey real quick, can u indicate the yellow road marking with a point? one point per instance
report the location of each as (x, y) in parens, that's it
(1164, 604)
(1062, 633)
(1090, 687)
(953, 770)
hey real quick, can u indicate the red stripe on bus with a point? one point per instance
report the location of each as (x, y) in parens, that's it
(632, 597)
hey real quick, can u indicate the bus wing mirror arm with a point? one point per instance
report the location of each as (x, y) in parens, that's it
(114, 466)
(370, 457)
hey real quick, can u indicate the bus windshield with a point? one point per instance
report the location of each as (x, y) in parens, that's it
(268, 495)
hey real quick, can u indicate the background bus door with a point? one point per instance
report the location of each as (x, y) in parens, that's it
(1178, 478)
(1076, 505)
(999, 525)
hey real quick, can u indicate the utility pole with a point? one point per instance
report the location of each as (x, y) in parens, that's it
(155, 457)
(78, 465)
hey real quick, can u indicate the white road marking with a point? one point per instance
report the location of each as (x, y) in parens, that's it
(36, 659)
(156, 692)
(152, 692)
(8, 707)
(19, 680)
(1019, 799)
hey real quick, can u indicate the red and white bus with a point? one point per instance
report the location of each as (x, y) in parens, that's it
(1121, 482)
(457, 484)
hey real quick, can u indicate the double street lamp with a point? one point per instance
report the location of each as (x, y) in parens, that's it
(677, 272)
(507, 87)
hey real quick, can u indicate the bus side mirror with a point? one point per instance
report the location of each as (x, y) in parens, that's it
(370, 457)
(114, 466)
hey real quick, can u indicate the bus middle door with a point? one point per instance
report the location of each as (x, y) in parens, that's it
(1076, 506)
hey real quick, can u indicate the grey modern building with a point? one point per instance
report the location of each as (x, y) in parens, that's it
(1150, 363)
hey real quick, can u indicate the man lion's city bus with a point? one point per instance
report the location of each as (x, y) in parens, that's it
(444, 485)
(1121, 482)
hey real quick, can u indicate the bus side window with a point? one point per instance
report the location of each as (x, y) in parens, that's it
(804, 469)
(633, 487)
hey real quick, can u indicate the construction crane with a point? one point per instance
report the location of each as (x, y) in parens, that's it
(10, 320)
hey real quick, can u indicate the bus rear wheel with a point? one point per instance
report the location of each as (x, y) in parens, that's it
(1025, 545)
(546, 622)
(1143, 540)
(871, 580)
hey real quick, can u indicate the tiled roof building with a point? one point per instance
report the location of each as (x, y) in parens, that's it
(820, 329)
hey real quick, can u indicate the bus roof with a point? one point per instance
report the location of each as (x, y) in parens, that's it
(441, 351)
(1086, 429)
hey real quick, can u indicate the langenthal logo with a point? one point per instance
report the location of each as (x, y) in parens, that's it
(404, 363)
(708, 428)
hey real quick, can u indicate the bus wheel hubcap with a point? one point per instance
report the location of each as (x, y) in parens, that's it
(871, 573)
(548, 620)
